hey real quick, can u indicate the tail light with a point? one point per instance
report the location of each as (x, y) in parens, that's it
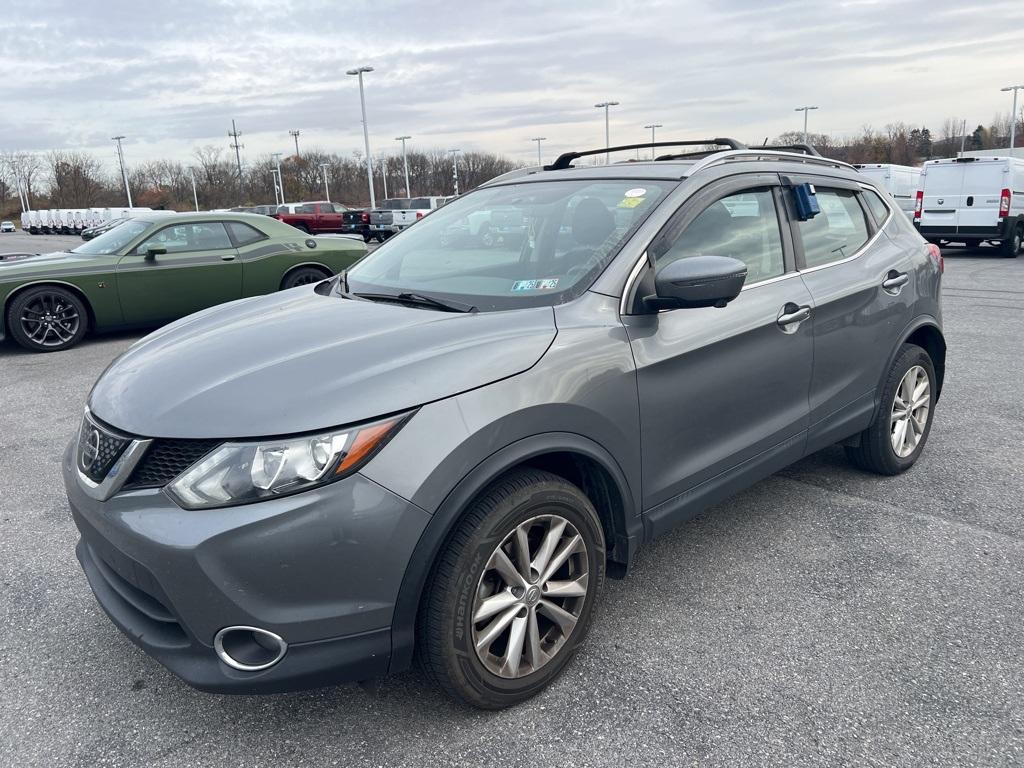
(365, 217)
(936, 253)
(1004, 203)
(919, 204)
(419, 214)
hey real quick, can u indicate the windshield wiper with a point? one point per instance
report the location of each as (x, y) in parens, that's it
(419, 299)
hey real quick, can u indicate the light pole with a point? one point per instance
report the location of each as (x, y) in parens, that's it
(607, 133)
(124, 175)
(327, 191)
(805, 110)
(455, 168)
(277, 188)
(539, 139)
(195, 195)
(653, 126)
(384, 174)
(405, 164)
(1013, 113)
(358, 71)
(280, 178)
(295, 135)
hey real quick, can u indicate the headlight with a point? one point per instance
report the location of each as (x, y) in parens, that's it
(238, 473)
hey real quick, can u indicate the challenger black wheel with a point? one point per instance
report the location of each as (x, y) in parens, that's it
(47, 319)
(303, 276)
(513, 594)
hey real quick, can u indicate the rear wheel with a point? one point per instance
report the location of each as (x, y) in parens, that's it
(896, 437)
(47, 319)
(303, 276)
(301, 228)
(513, 593)
(1011, 247)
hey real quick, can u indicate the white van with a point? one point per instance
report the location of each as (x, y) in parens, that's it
(900, 181)
(973, 200)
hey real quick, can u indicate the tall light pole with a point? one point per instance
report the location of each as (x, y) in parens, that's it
(195, 195)
(455, 168)
(539, 139)
(295, 135)
(653, 126)
(280, 178)
(607, 131)
(327, 191)
(384, 174)
(277, 188)
(358, 71)
(405, 164)
(124, 174)
(1013, 113)
(805, 110)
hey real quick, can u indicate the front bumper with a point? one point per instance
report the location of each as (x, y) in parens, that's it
(322, 569)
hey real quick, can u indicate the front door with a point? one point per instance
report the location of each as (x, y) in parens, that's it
(199, 269)
(723, 391)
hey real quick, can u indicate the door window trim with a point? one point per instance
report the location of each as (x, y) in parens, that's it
(696, 204)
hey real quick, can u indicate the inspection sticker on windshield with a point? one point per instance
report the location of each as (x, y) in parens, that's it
(535, 285)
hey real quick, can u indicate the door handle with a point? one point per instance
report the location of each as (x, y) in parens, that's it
(895, 280)
(791, 314)
(227, 257)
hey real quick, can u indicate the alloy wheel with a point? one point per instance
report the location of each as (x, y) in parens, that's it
(49, 320)
(910, 409)
(530, 596)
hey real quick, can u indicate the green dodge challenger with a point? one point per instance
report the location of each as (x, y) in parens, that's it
(147, 272)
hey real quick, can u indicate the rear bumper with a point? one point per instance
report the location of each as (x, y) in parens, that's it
(996, 232)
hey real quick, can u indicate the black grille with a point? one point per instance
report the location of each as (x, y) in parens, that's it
(98, 449)
(166, 459)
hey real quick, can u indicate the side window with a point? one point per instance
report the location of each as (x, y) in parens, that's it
(835, 233)
(179, 238)
(744, 226)
(876, 205)
(244, 234)
(307, 208)
(339, 208)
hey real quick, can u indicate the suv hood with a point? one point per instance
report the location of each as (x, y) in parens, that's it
(299, 361)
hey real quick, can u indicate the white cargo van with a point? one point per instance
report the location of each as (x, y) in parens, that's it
(973, 200)
(900, 181)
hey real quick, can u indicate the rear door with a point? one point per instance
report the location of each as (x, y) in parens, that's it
(983, 180)
(723, 392)
(943, 184)
(329, 219)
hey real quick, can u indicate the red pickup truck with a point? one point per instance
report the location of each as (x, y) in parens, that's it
(314, 218)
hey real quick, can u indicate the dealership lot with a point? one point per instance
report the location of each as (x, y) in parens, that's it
(824, 616)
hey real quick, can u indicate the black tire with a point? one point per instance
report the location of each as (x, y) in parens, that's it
(445, 625)
(301, 228)
(303, 276)
(47, 318)
(876, 453)
(1011, 247)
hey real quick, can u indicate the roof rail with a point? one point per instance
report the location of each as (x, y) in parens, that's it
(565, 160)
(806, 149)
(766, 154)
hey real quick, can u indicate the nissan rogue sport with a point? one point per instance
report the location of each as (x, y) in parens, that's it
(442, 452)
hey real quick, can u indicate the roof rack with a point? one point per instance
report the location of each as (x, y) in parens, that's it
(767, 154)
(565, 160)
(806, 149)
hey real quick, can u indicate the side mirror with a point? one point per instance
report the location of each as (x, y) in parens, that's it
(698, 281)
(152, 251)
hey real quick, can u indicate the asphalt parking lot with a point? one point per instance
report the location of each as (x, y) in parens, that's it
(824, 617)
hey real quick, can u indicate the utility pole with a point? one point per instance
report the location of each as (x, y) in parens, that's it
(1013, 114)
(805, 110)
(235, 136)
(405, 164)
(455, 168)
(295, 135)
(366, 131)
(280, 179)
(963, 139)
(653, 127)
(539, 139)
(195, 195)
(607, 130)
(327, 191)
(124, 175)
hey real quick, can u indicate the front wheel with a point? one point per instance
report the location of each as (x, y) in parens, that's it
(896, 437)
(513, 593)
(47, 319)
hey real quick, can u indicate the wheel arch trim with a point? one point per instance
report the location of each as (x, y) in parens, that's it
(917, 324)
(628, 528)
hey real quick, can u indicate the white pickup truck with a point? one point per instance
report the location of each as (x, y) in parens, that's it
(395, 214)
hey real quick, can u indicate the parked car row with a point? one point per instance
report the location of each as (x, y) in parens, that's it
(73, 221)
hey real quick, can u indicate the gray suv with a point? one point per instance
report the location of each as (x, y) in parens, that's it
(443, 452)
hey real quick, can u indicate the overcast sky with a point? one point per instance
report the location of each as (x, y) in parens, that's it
(487, 74)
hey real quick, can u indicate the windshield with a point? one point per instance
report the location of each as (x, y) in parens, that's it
(518, 245)
(113, 240)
